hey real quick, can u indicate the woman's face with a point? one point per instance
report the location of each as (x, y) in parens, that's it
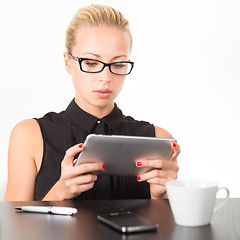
(96, 92)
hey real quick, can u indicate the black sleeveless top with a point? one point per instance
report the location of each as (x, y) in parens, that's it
(61, 131)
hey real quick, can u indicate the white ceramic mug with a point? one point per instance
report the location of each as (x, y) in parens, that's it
(193, 201)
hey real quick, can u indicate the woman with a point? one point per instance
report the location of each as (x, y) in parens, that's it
(42, 151)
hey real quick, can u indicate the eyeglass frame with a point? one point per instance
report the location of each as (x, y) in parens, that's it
(104, 64)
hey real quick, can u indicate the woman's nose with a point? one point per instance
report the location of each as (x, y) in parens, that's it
(106, 75)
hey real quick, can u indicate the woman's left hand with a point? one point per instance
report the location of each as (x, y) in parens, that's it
(163, 171)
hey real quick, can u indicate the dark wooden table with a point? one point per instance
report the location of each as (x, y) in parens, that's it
(225, 224)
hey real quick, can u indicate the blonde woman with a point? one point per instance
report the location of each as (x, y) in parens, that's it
(42, 151)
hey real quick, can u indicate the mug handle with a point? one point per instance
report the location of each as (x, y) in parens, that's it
(221, 204)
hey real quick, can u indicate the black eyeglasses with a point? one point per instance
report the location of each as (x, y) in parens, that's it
(94, 66)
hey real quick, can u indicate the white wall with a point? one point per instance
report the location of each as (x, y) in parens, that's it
(186, 75)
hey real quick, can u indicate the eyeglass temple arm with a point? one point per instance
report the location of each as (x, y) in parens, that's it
(72, 57)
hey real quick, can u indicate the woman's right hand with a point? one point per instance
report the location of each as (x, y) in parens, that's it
(74, 179)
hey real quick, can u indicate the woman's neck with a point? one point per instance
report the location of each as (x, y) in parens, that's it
(96, 111)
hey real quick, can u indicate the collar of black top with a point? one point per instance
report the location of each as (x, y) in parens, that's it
(88, 121)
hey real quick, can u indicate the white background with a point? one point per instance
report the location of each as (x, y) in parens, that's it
(186, 77)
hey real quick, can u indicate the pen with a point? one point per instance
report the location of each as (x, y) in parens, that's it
(48, 209)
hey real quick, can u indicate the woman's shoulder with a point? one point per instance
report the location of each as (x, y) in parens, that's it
(26, 134)
(26, 142)
(162, 133)
(26, 128)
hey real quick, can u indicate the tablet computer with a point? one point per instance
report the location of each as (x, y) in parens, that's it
(119, 153)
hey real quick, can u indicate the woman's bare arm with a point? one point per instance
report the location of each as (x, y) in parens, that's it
(24, 160)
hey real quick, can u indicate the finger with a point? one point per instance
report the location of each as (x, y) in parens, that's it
(74, 161)
(156, 173)
(157, 189)
(176, 151)
(89, 167)
(84, 168)
(78, 189)
(70, 154)
(159, 181)
(175, 146)
(86, 187)
(81, 180)
(158, 164)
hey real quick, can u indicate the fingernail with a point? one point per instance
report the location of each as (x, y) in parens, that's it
(138, 178)
(104, 166)
(174, 144)
(80, 145)
(139, 164)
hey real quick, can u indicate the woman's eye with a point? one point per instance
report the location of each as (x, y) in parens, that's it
(119, 65)
(91, 64)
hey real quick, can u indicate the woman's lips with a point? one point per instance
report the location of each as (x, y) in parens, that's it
(103, 93)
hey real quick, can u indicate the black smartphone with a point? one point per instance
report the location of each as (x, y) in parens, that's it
(127, 222)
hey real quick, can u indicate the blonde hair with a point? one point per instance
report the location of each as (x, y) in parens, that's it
(95, 15)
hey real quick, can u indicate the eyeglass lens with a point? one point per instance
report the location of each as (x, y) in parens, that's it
(92, 66)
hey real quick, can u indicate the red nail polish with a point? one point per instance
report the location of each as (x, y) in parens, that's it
(138, 178)
(139, 164)
(80, 145)
(174, 144)
(104, 166)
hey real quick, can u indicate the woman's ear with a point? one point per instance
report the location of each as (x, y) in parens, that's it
(67, 61)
